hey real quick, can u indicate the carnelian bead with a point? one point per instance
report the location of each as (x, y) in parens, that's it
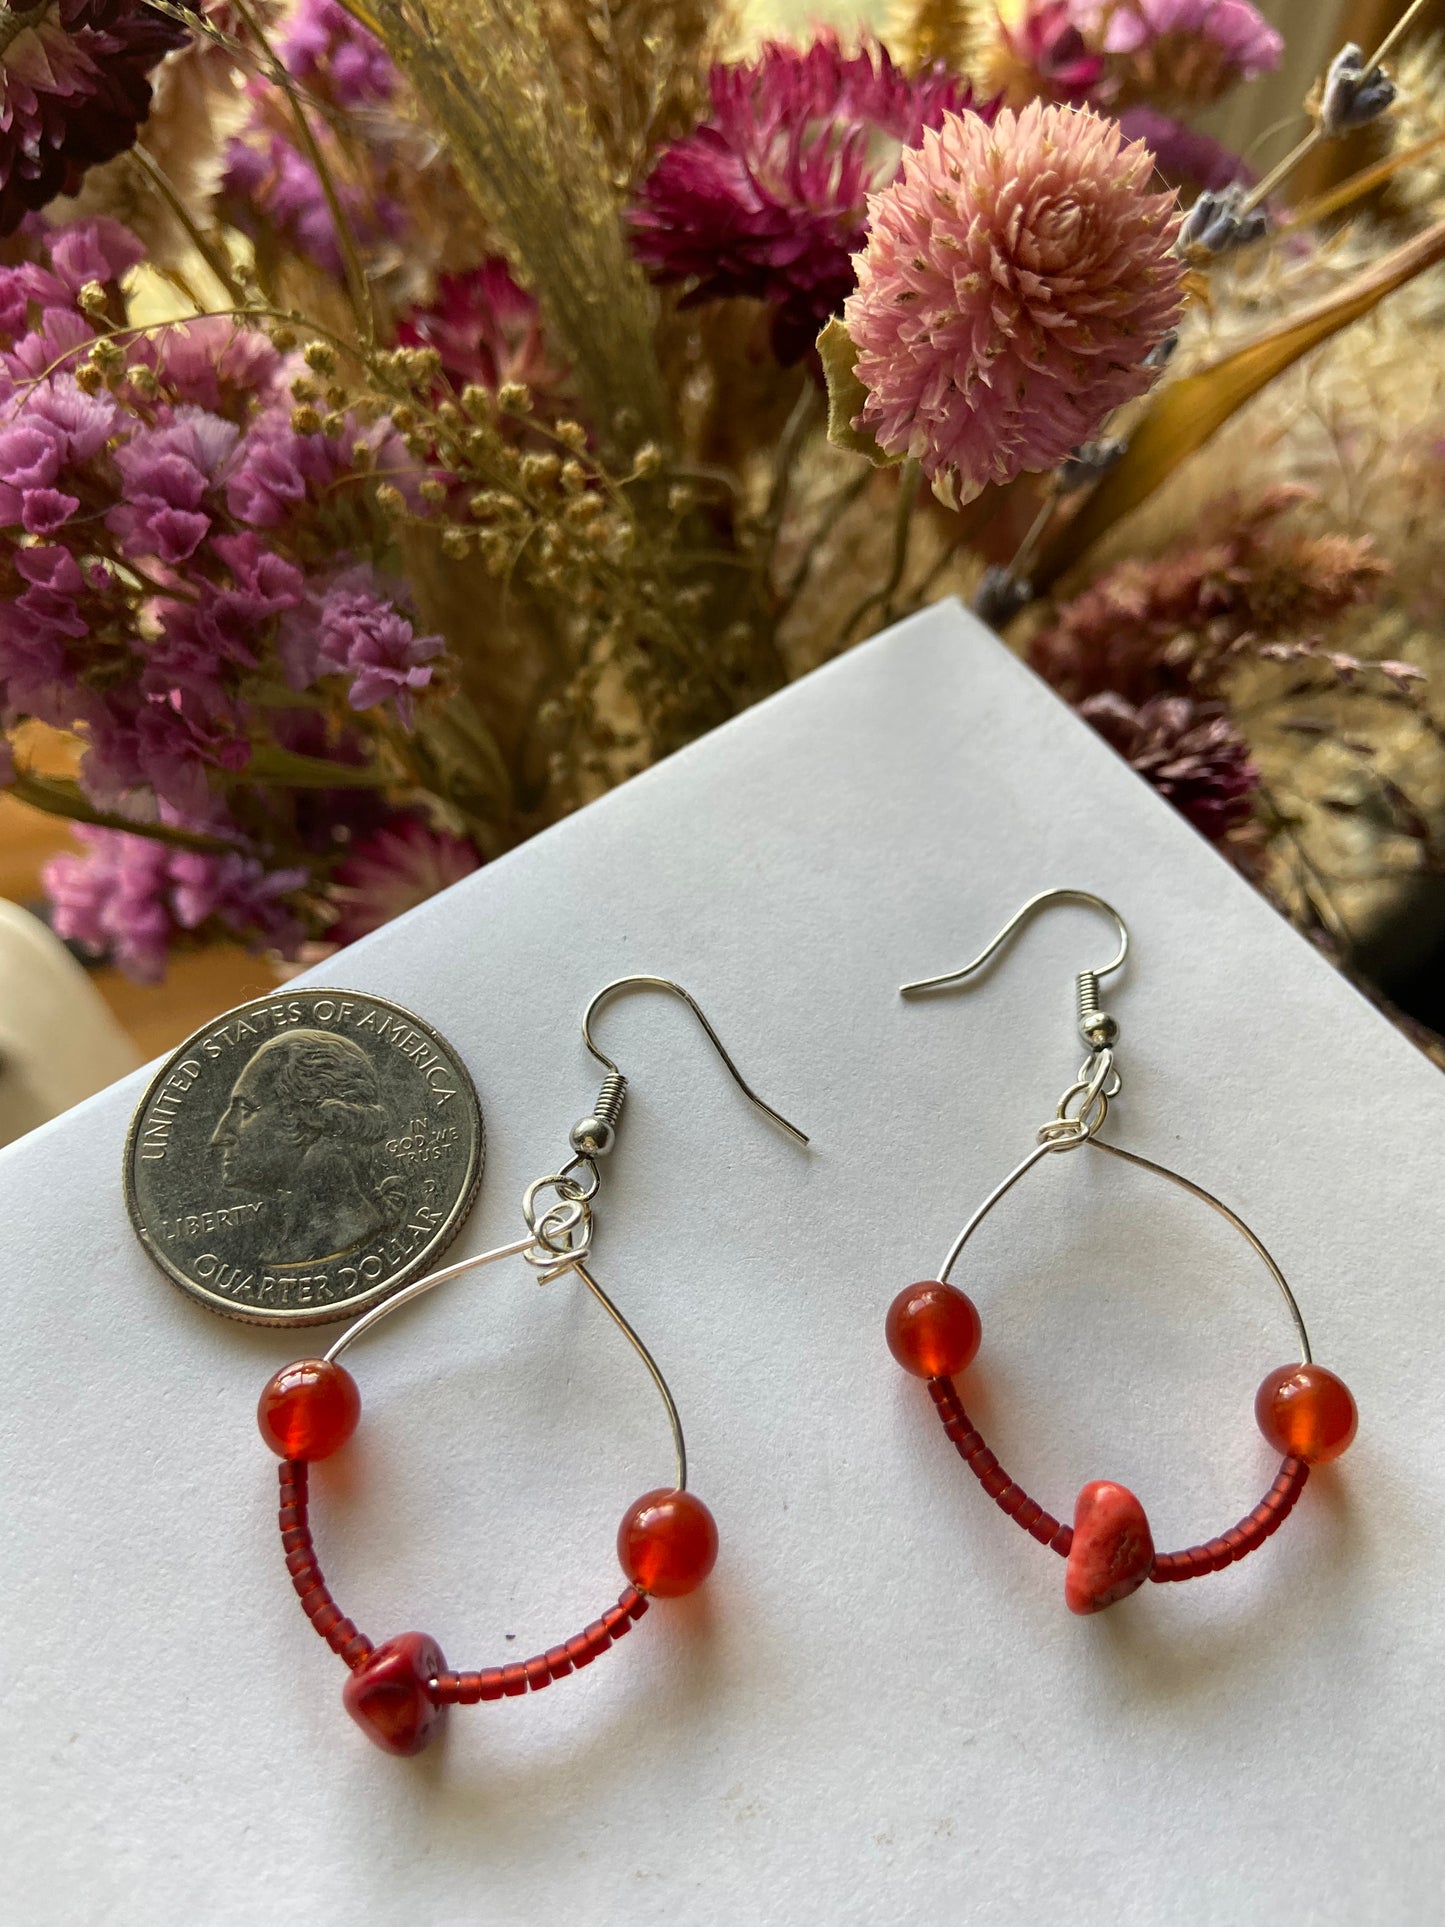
(309, 1410)
(1306, 1413)
(933, 1329)
(667, 1543)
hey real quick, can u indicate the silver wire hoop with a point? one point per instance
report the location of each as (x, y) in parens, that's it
(1082, 1135)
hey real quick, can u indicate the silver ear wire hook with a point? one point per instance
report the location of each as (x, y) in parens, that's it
(1097, 1028)
(1098, 1081)
(593, 1136)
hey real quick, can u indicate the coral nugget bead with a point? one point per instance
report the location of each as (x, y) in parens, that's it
(309, 1410)
(933, 1330)
(667, 1543)
(1306, 1413)
(389, 1694)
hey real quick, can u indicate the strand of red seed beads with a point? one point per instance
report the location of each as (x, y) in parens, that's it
(398, 1692)
(1304, 1411)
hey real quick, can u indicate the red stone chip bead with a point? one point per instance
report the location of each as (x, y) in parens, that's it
(390, 1694)
(1306, 1413)
(1112, 1552)
(309, 1409)
(667, 1543)
(933, 1330)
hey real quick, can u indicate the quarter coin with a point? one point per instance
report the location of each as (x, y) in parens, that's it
(303, 1156)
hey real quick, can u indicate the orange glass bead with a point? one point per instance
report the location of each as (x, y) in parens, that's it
(667, 1543)
(933, 1329)
(308, 1410)
(1306, 1413)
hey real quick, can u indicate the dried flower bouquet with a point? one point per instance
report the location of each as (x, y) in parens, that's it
(416, 416)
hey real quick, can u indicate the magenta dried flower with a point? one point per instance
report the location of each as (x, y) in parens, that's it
(74, 89)
(1015, 280)
(485, 328)
(1191, 752)
(398, 867)
(768, 197)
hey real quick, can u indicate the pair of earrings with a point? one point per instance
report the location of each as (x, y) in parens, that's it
(667, 1540)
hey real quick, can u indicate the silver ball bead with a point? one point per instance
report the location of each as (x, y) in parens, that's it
(592, 1137)
(1100, 1030)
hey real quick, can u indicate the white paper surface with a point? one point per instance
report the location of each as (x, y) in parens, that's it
(878, 1710)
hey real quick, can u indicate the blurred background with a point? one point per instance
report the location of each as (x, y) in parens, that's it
(70, 1025)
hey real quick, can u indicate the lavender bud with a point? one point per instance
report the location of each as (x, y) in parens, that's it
(1219, 222)
(1352, 97)
(1000, 596)
(1089, 461)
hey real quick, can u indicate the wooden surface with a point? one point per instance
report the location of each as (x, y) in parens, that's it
(198, 985)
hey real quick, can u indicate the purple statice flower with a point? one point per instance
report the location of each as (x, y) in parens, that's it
(1186, 155)
(333, 54)
(238, 891)
(59, 336)
(277, 470)
(359, 632)
(129, 897)
(399, 866)
(214, 363)
(74, 89)
(169, 472)
(267, 174)
(38, 625)
(1190, 751)
(46, 434)
(1192, 50)
(111, 899)
(768, 197)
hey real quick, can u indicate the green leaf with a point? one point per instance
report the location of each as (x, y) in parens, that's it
(58, 796)
(1188, 411)
(271, 764)
(846, 396)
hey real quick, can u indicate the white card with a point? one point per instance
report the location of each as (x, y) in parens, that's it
(878, 1709)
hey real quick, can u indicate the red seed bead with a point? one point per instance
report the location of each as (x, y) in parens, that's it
(309, 1410)
(933, 1330)
(1306, 1413)
(667, 1543)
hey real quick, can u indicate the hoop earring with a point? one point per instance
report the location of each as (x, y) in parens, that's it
(398, 1692)
(1304, 1411)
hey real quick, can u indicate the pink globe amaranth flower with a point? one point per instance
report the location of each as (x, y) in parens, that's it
(393, 870)
(1190, 751)
(74, 89)
(1015, 279)
(768, 197)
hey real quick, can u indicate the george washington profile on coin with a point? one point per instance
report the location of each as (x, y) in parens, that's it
(304, 1155)
(304, 1126)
